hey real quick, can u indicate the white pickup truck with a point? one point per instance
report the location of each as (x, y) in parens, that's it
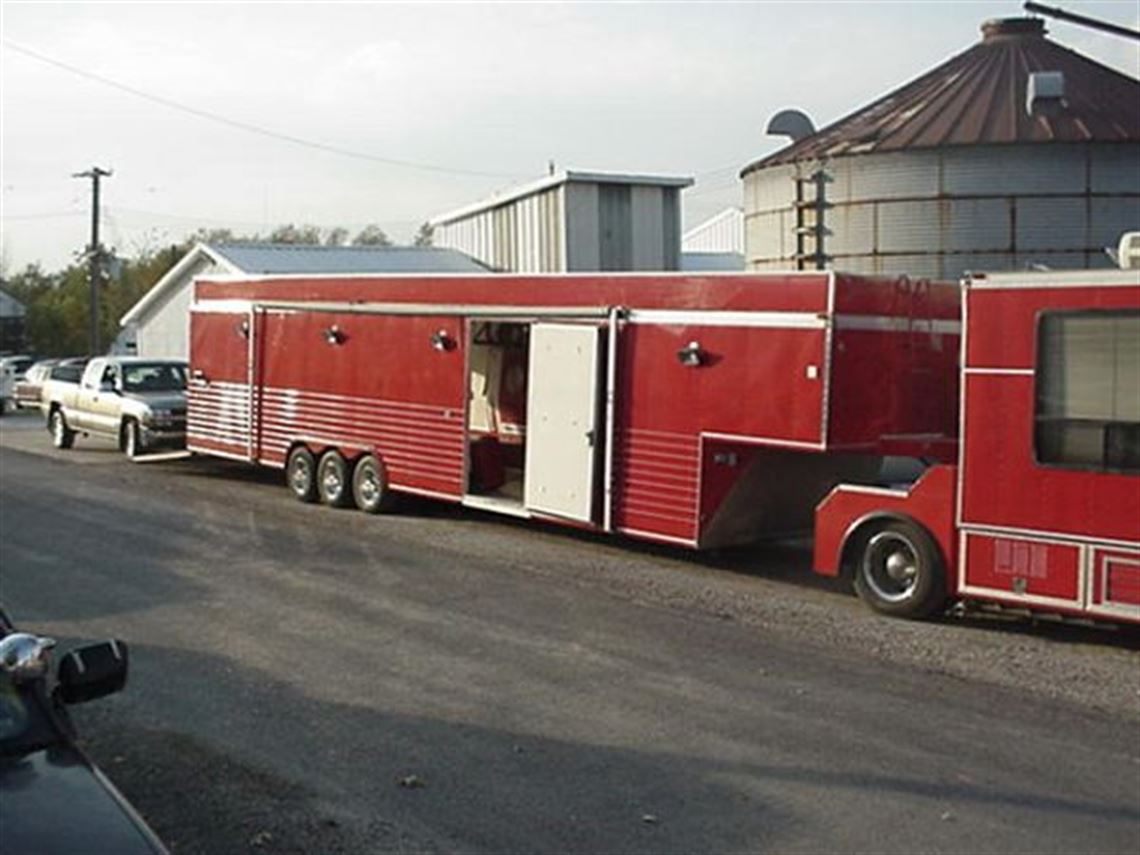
(138, 402)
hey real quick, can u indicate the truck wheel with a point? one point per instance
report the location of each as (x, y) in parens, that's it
(61, 435)
(332, 480)
(301, 474)
(370, 486)
(901, 572)
(130, 441)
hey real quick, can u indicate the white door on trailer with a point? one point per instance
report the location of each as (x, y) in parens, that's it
(562, 419)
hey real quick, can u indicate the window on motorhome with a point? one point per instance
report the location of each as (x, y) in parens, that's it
(1088, 390)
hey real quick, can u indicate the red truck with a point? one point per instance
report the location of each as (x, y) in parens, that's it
(1040, 509)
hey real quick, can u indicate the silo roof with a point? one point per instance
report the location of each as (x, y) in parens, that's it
(978, 97)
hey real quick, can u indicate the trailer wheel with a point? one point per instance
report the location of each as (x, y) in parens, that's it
(370, 486)
(332, 480)
(900, 571)
(301, 474)
(61, 435)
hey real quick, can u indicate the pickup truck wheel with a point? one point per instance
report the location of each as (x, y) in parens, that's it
(301, 474)
(332, 480)
(900, 571)
(370, 486)
(130, 439)
(61, 435)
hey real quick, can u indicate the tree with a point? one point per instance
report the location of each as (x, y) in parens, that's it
(371, 235)
(289, 233)
(337, 236)
(424, 235)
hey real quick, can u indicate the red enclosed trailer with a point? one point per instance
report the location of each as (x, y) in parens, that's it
(696, 410)
(1041, 509)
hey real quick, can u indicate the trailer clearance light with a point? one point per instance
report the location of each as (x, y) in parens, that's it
(691, 355)
(334, 335)
(440, 340)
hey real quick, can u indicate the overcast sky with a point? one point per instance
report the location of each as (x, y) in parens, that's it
(485, 94)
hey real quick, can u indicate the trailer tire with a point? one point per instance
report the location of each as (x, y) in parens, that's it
(62, 436)
(332, 480)
(301, 474)
(370, 486)
(900, 571)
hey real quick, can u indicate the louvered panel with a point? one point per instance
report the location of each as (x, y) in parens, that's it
(657, 483)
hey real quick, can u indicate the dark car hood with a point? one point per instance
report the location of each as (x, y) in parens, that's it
(160, 400)
(54, 802)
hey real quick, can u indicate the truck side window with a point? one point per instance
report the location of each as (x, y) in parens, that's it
(1087, 411)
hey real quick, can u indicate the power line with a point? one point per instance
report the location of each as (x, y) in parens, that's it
(246, 126)
(51, 215)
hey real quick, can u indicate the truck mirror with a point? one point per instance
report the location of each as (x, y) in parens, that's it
(91, 672)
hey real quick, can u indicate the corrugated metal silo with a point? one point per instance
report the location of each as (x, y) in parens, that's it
(954, 171)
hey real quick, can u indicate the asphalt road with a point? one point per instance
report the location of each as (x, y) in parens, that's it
(312, 680)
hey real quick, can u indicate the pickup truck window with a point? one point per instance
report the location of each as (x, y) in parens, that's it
(154, 377)
(67, 373)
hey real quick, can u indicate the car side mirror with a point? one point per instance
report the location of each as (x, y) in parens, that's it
(91, 672)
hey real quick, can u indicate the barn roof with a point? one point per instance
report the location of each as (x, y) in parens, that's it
(302, 258)
(979, 97)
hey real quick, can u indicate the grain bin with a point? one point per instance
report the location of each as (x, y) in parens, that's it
(1016, 152)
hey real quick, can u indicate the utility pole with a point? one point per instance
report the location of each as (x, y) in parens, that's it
(94, 254)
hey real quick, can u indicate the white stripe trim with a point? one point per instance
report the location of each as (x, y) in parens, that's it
(714, 318)
(1013, 372)
(895, 323)
(652, 535)
(761, 440)
(349, 308)
(1054, 279)
(1067, 538)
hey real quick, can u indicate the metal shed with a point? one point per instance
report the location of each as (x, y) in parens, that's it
(960, 169)
(572, 221)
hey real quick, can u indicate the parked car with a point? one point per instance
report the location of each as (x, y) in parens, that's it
(139, 402)
(26, 394)
(53, 799)
(12, 370)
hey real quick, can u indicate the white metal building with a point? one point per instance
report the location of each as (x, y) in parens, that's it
(715, 244)
(572, 221)
(160, 320)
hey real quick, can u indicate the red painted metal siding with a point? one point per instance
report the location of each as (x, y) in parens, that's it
(218, 400)
(384, 388)
(1003, 485)
(1023, 567)
(930, 502)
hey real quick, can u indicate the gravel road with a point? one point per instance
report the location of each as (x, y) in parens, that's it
(307, 680)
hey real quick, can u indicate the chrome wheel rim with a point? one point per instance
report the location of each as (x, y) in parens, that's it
(332, 483)
(890, 566)
(369, 487)
(300, 476)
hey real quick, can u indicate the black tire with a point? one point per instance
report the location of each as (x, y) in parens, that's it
(370, 486)
(900, 571)
(62, 436)
(333, 480)
(301, 474)
(130, 439)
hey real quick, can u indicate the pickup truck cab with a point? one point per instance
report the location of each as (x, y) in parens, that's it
(138, 402)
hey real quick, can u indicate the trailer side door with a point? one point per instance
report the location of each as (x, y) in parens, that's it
(562, 420)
